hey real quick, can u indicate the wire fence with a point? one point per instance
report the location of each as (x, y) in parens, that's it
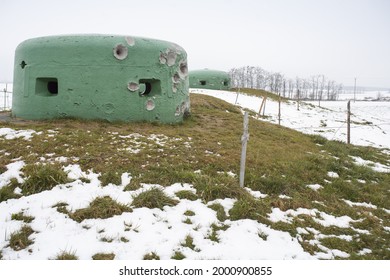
(5, 97)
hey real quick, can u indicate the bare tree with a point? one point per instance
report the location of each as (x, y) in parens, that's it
(313, 87)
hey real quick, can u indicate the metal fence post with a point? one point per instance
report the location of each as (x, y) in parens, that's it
(244, 140)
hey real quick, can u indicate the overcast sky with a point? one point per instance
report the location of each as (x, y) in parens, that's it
(341, 39)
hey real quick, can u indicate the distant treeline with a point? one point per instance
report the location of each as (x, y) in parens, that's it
(317, 87)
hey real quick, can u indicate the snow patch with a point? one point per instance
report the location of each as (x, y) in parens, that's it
(378, 167)
(314, 187)
(13, 172)
(332, 174)
(9, 133)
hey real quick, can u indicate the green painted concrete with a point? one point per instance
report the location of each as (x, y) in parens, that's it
(116, 78)
(209, 79)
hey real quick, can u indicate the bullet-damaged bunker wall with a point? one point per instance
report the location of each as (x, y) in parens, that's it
(116, 78)
(209, 79)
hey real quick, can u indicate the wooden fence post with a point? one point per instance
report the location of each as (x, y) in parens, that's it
(244, 140)
(279, 109)
(298, 101)
(262, 105)
(238, 93)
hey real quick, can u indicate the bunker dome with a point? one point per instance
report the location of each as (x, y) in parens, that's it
(100, 77)
(209, 79)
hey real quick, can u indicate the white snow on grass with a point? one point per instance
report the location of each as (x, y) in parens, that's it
(327, 220)
(256, 194)
(314, 187)
(360, 204)
(13, 172)
(373, 165)
(324, 219)
(132, 235)
(332, 174)
(9, 133)
(364, 251)
(278, 215)
(134, 143)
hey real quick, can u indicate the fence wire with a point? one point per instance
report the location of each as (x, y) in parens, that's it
(5, 98)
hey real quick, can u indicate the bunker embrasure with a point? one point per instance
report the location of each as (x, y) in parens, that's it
(115, 78)
(209, 79)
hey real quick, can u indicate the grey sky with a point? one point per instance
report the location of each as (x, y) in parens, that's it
(341, 39)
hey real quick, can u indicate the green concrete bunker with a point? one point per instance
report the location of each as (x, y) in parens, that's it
(114, 78)
(209, 79)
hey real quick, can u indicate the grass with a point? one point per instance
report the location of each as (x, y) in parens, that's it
(280, 161)
(151, 256)
(220, 211)
(66, 256)
(61, 207)
(259, 93)
(103, 256)
(178, 256)
(218, 186)
(8, 191)
(100, 208)
(249, 208)
(186, 195)
(21, 217)
(189, 243)
(189, 213)
(19, 240)
(213, 236)
(153, 198)
(110, 177)
(42, 177)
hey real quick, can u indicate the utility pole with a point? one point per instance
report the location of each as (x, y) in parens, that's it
(298, 100)
(354, 92)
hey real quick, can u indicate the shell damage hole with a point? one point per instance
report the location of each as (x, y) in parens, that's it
(202, 83)
(133, 86)
(171, 58)
(182, 109)
(23, 64)
(176, 78)
(178, 111)
(150, 105)
(174, 88)
(183, 67)
(162, 58)
(130, 41)
(120, 51)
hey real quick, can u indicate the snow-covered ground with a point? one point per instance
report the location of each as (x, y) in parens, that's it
(163, 232)
(365, 95)
(370, 120)
(131, 235)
